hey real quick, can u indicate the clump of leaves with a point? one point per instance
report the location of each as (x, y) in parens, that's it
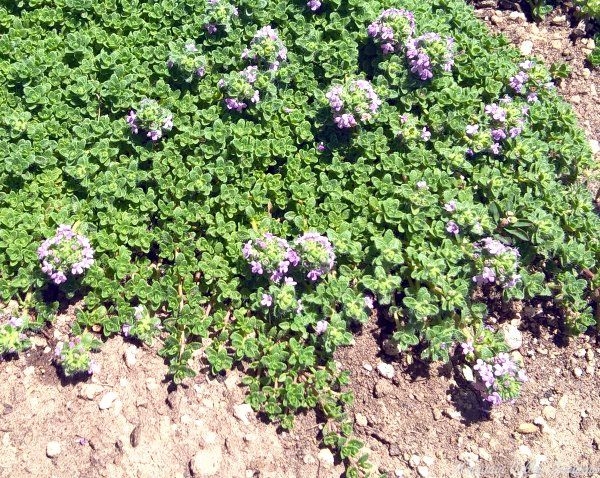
(495, 373)
(74, 356)
(188, 61)
(12, 338)
(143, 326)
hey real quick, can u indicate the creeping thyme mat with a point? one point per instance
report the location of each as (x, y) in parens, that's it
(262, 175)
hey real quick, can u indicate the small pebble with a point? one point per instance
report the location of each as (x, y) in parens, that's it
(386, 370)
(107, 400)
(53, 449)
(326, 457)
(549, 412)
(527, 428)
(526, 47)
(241, 412)
(423, 471)
(577, 372)
(360, 420)
(367, 366)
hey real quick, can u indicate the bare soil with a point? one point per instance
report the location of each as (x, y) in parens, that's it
(426, 421)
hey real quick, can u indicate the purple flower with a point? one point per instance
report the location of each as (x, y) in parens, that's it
(467, 347)
(314, 5)
(392, 29)
(425, 134)
(498, 134)
(247, 250)
(494, 398)
(532, 97)
(126, 329)
(514, 131)
(289, 281)
(235, 104)
(452, 228)
(211, 28)
(450, 206)
(495, 148)
(518, 81)
(314, 274)
(321, 147)
(256, 267)
(421, 185)
(267, 300)
(94, 367)
(496, 112)
(16, 322)
(369, 302)
(430, 52)
(472, 129)
(355, 100)
(321, 327)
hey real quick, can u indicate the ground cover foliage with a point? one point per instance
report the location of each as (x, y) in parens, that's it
(173, 204)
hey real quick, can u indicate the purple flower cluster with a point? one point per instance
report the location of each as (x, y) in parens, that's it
(219, 15)
(502, 377)
(66, 252)
(496, 262)
(530, 79)
(316, 253)
(429, 53)
(352, 102)
(266, 49)
(507, 121)
(392, 29)
(273, 256)
(150, 118)
(270, 255)
(239, 88)
(314, 5)
(188, 61)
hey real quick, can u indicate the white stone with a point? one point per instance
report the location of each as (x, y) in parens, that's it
(326, 457)
(549, 412)
(526, 47)
(414, 461)
(517, 16)
(53, 449)
(525, 450)
(107, 400)
(423, 471)
(360, 420)
(428, 460)
(130, 356)
(469, 458)
(90, 390)
(484, 454)
(512, 336)
(367, 366)
(577, 372)
(595, 146)
(242, 412)
(206, 462)
(386, 370)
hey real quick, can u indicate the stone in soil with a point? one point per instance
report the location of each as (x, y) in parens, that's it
(53, 449)
(107, 400)
(386, 370)
(326, 457)
(242, 412)
(90, 390)
(206, 462)
(512, 336)
(527, 428)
